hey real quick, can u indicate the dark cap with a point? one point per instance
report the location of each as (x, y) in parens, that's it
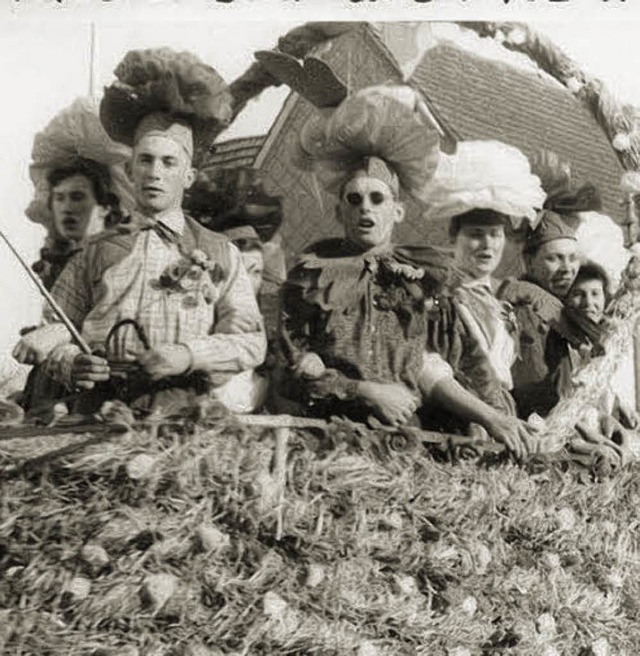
(551, 226)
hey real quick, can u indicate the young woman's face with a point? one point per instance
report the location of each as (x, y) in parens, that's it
(478, 248)
(588, 297)
(73, 203)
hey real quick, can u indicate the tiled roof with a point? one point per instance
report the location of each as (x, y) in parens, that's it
(483, 99)
(235, 153)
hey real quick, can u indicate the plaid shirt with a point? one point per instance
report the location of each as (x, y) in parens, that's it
(131, 288)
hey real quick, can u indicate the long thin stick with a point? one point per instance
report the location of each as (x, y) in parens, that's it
(47, 296)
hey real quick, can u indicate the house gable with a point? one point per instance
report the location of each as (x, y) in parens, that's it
(483, 99)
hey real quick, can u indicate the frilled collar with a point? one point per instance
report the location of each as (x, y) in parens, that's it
(334, 273)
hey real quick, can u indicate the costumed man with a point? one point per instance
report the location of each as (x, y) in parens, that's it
(551, 253)
(80, 188)
(355, 310)
(166, 300)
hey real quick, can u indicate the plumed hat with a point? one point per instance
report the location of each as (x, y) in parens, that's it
(564, 195)
(75, 137)
(484, 175)
(378, 131)
(175, 89)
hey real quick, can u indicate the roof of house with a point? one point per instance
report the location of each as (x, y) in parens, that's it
(482, 99)
(471, 96)
(235, 153)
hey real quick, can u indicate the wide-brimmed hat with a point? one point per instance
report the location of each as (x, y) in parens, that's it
(484, 175)
(176, 88)
(75, 138)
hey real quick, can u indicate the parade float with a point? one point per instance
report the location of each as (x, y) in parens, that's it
(210, 534)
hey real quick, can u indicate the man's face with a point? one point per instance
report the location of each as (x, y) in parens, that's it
(554, 265)
(588, 296)
(72, 204)
(254, 265)
(368, 211)
(161, 171)
(478, 248)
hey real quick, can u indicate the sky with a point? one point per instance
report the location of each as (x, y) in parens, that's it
(46, 64)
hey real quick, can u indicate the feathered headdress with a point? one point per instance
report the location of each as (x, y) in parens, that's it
(381, 122)
(484, 175)
(564, 196)
(162, 80)
(76, 135)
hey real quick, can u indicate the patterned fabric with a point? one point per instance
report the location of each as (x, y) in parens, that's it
(153, 274)
(490, 321)
(363, 314)
(449, 333)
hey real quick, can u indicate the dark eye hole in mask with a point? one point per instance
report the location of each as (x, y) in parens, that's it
(356, 199)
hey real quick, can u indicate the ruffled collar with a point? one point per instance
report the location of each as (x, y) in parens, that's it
(335, 275)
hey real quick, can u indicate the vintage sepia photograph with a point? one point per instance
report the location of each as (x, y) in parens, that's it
(319, 336)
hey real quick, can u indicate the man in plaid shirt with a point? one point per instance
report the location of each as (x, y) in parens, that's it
(191, 317)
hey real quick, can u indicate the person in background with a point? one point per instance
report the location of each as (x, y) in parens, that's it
(82, 204)
(234, 203)
(578, 338)
(590, 292)
(79, 179)
(552, 258)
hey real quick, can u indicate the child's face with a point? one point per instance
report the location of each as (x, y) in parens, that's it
(588, 297)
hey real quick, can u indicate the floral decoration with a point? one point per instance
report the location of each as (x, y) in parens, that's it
(194, 275)
(402, 291)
